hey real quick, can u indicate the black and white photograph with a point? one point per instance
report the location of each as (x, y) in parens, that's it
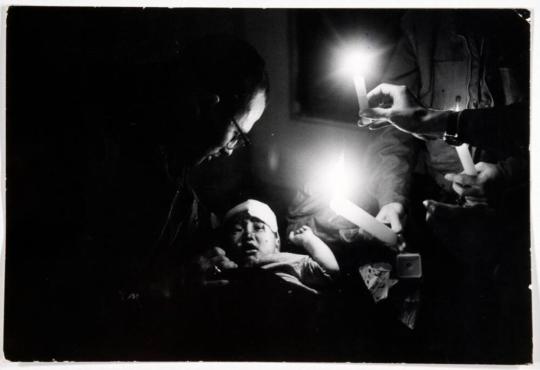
(299, 185)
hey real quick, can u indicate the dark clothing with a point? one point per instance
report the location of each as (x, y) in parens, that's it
(257, 316)
(145, 210)
(144, 220)
(477, 63)
(499, 129)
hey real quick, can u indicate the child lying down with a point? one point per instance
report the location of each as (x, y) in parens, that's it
(251, 240)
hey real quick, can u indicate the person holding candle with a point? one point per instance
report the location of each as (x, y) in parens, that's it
(458, 73)
(501, 129)
(450, 61)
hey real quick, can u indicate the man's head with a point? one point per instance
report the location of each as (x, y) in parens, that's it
(223, 84)
(251, 232)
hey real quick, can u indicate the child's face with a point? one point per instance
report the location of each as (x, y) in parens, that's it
(248, 239)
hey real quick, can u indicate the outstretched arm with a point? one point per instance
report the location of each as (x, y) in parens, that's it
(502, 129)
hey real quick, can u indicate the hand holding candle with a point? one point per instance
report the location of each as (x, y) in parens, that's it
(364, 220)
(475, 186)
(356, 63)
(350, 211)
(396, 105)
(392, 214)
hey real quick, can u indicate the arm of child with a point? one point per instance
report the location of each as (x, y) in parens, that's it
(316, 248)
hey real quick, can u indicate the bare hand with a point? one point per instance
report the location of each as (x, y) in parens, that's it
(399, 106)
(474, 186)
(211, 264)
(393, 214)
(301, 236)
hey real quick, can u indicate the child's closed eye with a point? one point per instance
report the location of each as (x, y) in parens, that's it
(259, 226)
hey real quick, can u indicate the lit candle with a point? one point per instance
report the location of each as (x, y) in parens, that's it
(361, 93)
(466, 159)
(463, 152)
(339, 183)
(356, 63)
(362, 219)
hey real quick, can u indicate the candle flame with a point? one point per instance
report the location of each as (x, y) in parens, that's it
(350, 211)
(334, 177)
(338, 177)
(341, 181)
(356, 62)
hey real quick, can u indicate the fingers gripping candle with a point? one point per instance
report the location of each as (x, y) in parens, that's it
(362, 219)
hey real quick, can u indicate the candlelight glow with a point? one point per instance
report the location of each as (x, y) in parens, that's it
(338, 177)
(356, 61)
(339, 187)
(337, 180)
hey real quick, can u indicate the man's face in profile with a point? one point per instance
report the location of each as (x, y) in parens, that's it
(226, 136)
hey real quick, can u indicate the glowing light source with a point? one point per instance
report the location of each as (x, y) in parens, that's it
(343, 207)
(331, 177)
(362, 219)
(338, 180)
(356, 62)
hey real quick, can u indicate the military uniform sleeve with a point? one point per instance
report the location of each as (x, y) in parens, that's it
(504, 130)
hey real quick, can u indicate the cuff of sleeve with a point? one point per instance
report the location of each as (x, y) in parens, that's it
(465, 130)
(450, 119)
(452, 135)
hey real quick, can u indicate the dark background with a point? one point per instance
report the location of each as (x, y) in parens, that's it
(319, 35)
(76, 82)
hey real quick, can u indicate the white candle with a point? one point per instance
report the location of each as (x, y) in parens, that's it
(361, 93)
(466, 159)
(362, 219)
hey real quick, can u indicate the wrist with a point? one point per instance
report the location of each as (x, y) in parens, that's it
(435, 123)
(308, 241)
(396, 205)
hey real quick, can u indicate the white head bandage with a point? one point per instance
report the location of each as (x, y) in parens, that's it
(257, 209)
